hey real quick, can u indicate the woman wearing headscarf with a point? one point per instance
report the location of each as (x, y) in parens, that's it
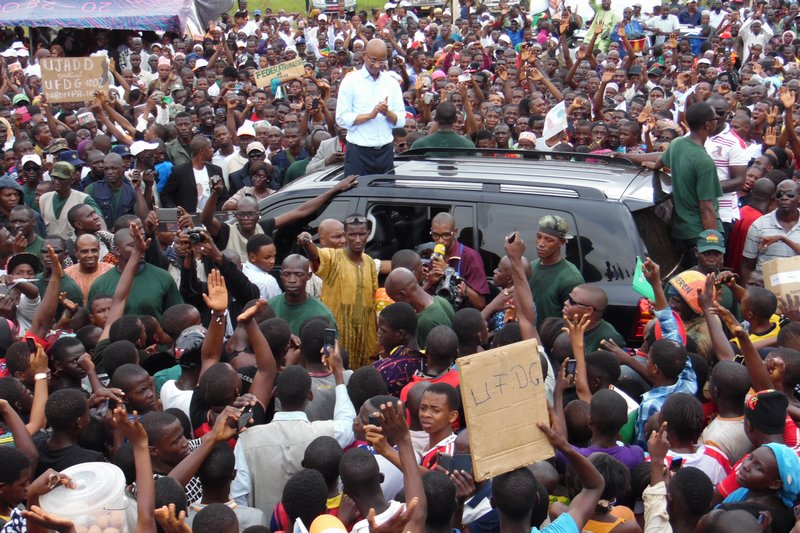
(770, 482)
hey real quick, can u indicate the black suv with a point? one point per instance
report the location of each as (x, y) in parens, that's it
(615, 211)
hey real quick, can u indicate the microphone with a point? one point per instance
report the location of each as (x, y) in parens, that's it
(438, 252)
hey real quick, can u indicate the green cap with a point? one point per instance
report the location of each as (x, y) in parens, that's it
(554, 225)
(57, 145)
(711, 240)
(62, 170)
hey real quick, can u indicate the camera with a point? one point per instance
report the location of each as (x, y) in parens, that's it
(215, 180)
(195, 235)
(448, 288)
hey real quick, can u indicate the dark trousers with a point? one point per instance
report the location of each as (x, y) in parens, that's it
(364, 160)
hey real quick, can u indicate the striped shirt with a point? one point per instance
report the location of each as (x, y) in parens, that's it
(768, 226)
(727, 150)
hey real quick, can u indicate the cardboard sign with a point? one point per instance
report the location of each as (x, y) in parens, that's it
(73, 79)
(287, 69)
(782, 276)
(503, 394)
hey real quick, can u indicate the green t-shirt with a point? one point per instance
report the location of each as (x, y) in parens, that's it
(443, 139)
(296, 170)
(603, 330)
(35, 247)
(58, 204)
(152, 292)
(296, 314)
(694, 179)
(551, 286)
(162, 376)
(29, 196)
(439, 313)
(68, 285)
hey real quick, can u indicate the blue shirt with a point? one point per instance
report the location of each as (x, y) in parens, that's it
(563, 524)
(359, 93)
(654, 399)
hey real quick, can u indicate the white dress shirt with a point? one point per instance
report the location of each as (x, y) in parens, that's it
(360, 93)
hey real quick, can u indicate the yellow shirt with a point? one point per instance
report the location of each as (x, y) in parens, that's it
(348, 289)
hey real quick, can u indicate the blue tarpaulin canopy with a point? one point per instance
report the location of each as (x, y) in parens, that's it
(163, 15)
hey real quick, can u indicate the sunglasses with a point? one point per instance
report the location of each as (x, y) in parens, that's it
(355, 219)
(573, 302)
(787, 194)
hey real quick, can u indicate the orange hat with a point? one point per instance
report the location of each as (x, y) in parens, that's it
(686, 285)
(326, 523)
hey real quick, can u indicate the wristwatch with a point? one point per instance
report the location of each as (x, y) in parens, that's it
(40, 375)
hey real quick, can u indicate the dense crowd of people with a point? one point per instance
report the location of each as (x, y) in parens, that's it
(146, 323)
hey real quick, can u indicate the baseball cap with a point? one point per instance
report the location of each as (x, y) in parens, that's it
(200, 63)
(322, 16)
(241, 44)
(22, 52)
(20, 98)
(9, 52)
(122, 150)
(704, 60)
(527, 136)
(188, 346)
(257, 12)
(246, 130)
(504, 38)
(57, 145)
(71, 157)
(710, 240)
(24, 258)
(62, 170)
(554, 225)
(255, 147)
(766, 411)
(31, 158)
(142, 146)
(388, 5)
(437, 11)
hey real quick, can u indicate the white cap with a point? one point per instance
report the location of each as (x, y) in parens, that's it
(322, 16)
(255, 146)
(241, 44)
(16, 45)
(35, 70)
(200, 63)
(504, 38)
(245, 130)
(9, 52)
(31, 157)
(704, 60)
(141, 146)
(22, 52)
(389, 5)
(527, 135)
(200, 46)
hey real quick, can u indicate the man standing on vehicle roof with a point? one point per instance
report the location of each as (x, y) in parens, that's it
(552, 276)
(370, 104)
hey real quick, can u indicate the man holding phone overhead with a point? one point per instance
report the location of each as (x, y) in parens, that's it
(370, 104)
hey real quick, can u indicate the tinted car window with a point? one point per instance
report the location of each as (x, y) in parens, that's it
(286, 237)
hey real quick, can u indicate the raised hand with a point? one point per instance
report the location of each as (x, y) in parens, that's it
(217, 297)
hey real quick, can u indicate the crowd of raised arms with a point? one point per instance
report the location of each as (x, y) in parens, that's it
(144, 327)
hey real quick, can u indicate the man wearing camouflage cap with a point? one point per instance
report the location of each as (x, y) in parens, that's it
(55, 205)
(552, 277)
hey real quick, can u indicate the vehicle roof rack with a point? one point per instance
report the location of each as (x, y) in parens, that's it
(534, 155)
(492, 184)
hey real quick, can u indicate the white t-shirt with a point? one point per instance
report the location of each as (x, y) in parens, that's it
(667, 25)
(362, 526)
(727, 149)
(203, 191)
(172, 396)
